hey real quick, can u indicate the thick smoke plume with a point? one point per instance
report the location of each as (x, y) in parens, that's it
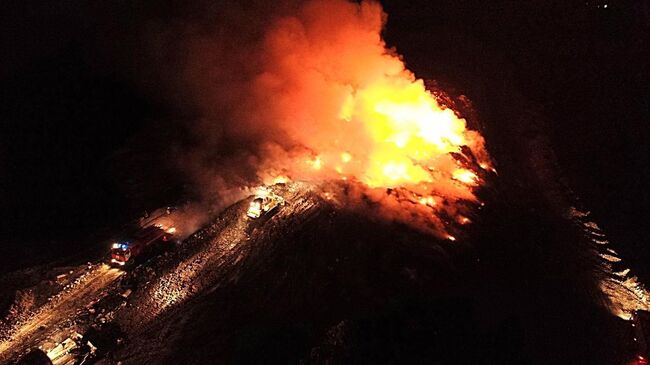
(311, 92)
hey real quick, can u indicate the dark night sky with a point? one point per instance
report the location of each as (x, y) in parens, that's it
(75, 90)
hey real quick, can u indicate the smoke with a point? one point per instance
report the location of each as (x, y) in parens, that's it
(310, 91)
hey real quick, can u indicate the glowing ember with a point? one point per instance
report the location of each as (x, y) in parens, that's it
(427, 201)
(316, 163)
(465, 176)
(279, 180)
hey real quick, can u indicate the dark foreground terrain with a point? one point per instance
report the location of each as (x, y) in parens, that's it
(316, 283)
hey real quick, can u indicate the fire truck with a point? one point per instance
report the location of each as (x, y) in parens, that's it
(124, 251)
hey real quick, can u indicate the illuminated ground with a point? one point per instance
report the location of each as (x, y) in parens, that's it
(54, 321)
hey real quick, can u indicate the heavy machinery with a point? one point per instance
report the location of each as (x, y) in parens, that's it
(263, 204)
(126, 250)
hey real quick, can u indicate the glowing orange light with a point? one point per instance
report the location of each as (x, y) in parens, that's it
(427, 200)
(347, 109)
(280, 180)
(465, 176)
(316, 163)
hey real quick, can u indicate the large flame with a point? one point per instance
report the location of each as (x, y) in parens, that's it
(407, 137)
(331, 87)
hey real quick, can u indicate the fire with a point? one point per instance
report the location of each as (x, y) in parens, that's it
(408, 135)
(465, 176)
(359, 115)
(316, 163)
(428, 201)
(280, 179)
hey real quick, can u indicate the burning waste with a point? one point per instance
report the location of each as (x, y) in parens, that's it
(357, 114)
(330, 102)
